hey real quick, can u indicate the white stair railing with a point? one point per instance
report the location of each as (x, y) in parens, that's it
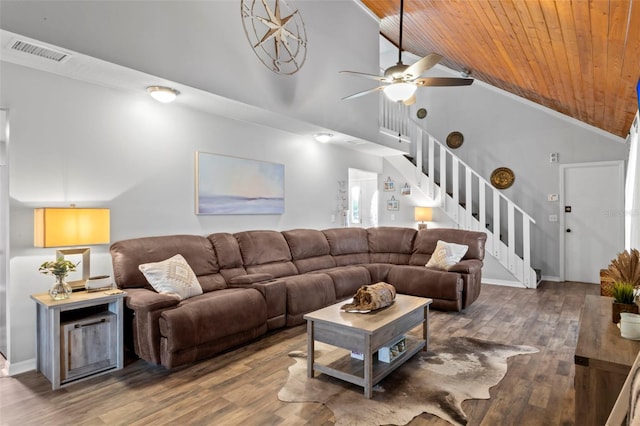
(466, 197)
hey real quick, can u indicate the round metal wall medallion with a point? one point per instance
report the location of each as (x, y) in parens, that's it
(502, 177)
(421, 113)
(454, 140)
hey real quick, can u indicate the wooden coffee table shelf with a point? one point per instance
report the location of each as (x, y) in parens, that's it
(366, 334)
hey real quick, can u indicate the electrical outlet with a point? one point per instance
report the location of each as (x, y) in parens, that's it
(333, 218)
(553, 218)
(552, 197)
(553, 157)
(393, 216)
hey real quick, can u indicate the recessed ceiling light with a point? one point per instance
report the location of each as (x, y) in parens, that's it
(162, 94)
(323, 137)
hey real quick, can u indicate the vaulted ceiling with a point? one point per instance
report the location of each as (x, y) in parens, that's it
(578, 57)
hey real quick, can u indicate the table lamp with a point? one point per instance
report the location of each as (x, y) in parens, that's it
(70, 226)
(422, 214)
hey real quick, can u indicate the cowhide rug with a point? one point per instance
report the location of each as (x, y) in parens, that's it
(434, 381)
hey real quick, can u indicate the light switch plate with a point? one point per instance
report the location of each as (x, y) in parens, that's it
(553, 218)
(552, 197)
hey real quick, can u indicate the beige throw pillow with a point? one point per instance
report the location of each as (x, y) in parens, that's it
(446, 255)
(173, 276)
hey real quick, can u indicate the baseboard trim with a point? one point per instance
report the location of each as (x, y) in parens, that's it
(505, 283)
(550, 278)
(13, 368)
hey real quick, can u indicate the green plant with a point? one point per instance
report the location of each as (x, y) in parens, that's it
(623, 292)
(60, 267)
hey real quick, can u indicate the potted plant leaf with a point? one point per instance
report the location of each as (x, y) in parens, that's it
(623, 300)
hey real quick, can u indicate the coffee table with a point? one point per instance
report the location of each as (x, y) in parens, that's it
(365, 333)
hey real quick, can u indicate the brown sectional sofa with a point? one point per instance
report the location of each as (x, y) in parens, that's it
(255, 281)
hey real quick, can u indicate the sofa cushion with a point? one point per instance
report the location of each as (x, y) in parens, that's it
(348, 279)
(228, 254)
(422, 282)
(306, 293)
(212, 316)
(446, 255)
(391, 244)
(126, 255)
(309, 250)
(265, 252)
(172, 276)
(427, 239)
(348, 246)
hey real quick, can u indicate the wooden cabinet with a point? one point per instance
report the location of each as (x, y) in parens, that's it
(603, 360)
(79, 337)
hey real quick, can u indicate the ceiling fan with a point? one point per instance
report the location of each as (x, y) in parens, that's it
(401, 81)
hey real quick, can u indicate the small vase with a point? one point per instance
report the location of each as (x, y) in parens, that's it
(60, 290)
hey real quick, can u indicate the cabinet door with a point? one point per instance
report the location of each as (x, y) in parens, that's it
(88, 346)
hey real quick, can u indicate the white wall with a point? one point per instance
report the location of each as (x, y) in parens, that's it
(501, 130)
(202, 44)
(74, 142)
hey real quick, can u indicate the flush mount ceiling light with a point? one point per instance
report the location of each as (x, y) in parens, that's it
(162, 94)
(323, 137)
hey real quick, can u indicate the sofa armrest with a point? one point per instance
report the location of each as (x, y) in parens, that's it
(147, 306)
(243, 280)
(275, 294)
(467, 266)
(144, 300)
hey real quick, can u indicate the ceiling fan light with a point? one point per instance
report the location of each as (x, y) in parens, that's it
(162, 94)
(399, 92)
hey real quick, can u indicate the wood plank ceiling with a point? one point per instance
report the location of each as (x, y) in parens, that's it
(578, 57)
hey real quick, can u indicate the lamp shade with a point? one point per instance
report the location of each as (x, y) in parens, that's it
(398, 92)
(422, 214)
(62, 227)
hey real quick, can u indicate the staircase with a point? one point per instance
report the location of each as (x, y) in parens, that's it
(469, 200)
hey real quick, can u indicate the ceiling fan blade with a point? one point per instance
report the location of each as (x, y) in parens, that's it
(443, 81)
(417, 69)
(410, 101)
(362, 74)
(365, 92)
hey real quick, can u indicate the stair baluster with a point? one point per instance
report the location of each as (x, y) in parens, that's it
(431, 175)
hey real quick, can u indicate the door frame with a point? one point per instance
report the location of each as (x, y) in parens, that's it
(5, 329)
(561, 230)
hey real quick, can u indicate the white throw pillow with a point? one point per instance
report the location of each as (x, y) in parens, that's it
(173, 276)
(446, 255)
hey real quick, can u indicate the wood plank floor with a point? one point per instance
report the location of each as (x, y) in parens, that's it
(241, 386)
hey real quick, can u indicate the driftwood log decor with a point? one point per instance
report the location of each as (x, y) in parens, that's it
(372, 297)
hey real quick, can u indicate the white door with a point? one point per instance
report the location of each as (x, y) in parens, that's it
(592, 218)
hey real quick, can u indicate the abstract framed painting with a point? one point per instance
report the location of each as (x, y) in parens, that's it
(231, 185)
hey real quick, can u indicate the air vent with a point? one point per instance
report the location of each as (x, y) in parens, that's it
(41, 51)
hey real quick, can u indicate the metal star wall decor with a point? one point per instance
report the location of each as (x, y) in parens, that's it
(276, 33)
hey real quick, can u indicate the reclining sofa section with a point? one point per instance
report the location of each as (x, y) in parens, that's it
(256, 281)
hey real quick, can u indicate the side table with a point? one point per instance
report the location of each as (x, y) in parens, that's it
(79, 337)
(603, 360)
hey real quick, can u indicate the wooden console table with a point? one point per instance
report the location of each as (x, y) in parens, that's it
(603, 360)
